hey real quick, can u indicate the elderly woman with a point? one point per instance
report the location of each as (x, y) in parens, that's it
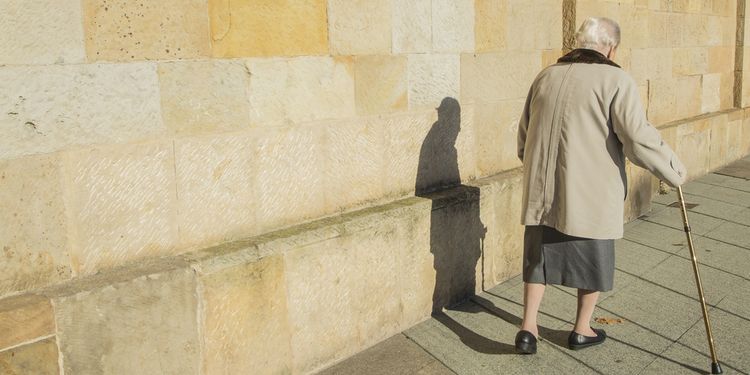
(582, 116)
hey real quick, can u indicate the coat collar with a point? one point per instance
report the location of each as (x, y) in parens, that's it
(586, 56)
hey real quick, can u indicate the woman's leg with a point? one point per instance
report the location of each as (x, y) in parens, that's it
(532, 298)
(586, 303)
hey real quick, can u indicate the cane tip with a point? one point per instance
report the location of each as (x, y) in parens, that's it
(716, 368)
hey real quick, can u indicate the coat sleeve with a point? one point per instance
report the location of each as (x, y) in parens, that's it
(642, 143)
(523, 125)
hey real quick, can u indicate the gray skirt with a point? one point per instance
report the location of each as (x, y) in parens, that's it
(553, 257)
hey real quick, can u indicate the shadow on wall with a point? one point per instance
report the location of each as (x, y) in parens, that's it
(456, 231)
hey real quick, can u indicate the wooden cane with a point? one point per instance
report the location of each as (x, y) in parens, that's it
(715, 366)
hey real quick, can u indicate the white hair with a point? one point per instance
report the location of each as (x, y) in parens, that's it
(599, 33)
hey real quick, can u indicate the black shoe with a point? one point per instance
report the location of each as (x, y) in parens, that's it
(577, 341)
(525, 342)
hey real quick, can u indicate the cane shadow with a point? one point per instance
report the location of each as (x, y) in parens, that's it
(456, 231)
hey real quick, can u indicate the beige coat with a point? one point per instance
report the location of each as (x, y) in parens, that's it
(580, 120)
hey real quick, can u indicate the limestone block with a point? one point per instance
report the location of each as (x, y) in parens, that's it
(662, 104)
(41, 32)
(727, 90)
(337, 275)
(300, 89)
(268, 28)
(490, 25)
(143, 326)
(290, 185)
(453, 25)
(498, 76)
(693, 142)
(714, 30)
(405, 138)
(720, 59)
(745, 144)
(146, 30)
(651, 63)
(33, 225)
(689, 61)
(359, 26)
(711, 94)
(354, 163)
(638, 200)
(412, 27)
(204, 96)
(535, 24)
(26, 323)
(466, 142)
(121, 201)
(746, 77)
(415, 272)
(245, 327)
(719, 142)
(734, 138)
(49, 108)
(380, 84)
(549, 57)
(216, 188)
(503, 246)
(497, 134)
(433, 77)
(688, 96)
(658, 29)
(38, 358)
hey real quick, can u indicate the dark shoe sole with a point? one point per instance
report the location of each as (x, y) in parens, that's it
(583, 346)
(525, 348)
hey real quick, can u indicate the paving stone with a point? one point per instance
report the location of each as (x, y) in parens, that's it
(672, 217)
(736, 302)
(730, 339)
(719, 193)
(657, 236)
(635, 258)
(711, 207)
(732, 233)
(679, 359)
(741, 217)
(721, 255)
(726, 181)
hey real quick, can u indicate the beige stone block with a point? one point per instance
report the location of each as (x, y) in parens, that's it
(33, 226)
(662, 105)
(26, 323)
(720, 59)
(688, 96)
(651, 63)
(711, 95)
(490, 25)
(411, 29)
(359, 26)
(38, 358)
(336, 275)
(245, 328)
(638, 200)
(714, 30)
(549, 57)
(497, 135)
(534, 25)
(53, 107)
(745, 144)
(145, 30)
(380, 84)
(745, 77)
(658, 29)
(290, 184)
(466, 142)
(300, 89)
(504, 261)
(41, 32)
(415, 267)
(354, 163)
(268, 28)
(453, 26)
(719, 142)
(433, 77)
(148, 325)
(727, 90)
(405, 135)
(216, 188)
(204, 96)
(693, 142)
(498, 76)
(121, 201)
(734, 138)
(689, 61)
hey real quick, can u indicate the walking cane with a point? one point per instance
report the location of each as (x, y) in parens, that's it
(715, 366)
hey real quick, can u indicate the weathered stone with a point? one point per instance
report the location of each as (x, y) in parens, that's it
(405, 137)
(245, 328)
(549, 57)
(453, 25)
(216, 188)
(693, 146)
(268, 28)
(711, 93)
(638, 200)
(38, 358)
(651, 63)
(290, 184)
(300, 89)
(689, 61)
(719, 142)
(380, 84)
(143, 326)
(498, 76)
(122, 204)
(51, 107)
(412, 30)
(203, 96)
(534, 24)
(497, 135)
(354, 163)
(720, 59)
(490, 25)
(359, 26)
(41, 32)
(126, 30)
(433, 77)
(33, 225)
(26, 323)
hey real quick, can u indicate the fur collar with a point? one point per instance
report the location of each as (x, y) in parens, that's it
(586, 56)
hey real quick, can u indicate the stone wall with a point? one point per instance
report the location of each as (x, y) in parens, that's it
(189, 181)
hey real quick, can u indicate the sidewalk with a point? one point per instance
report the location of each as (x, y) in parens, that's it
(655, 296)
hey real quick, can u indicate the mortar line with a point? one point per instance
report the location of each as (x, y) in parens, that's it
(699, 235)
(711, 216)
